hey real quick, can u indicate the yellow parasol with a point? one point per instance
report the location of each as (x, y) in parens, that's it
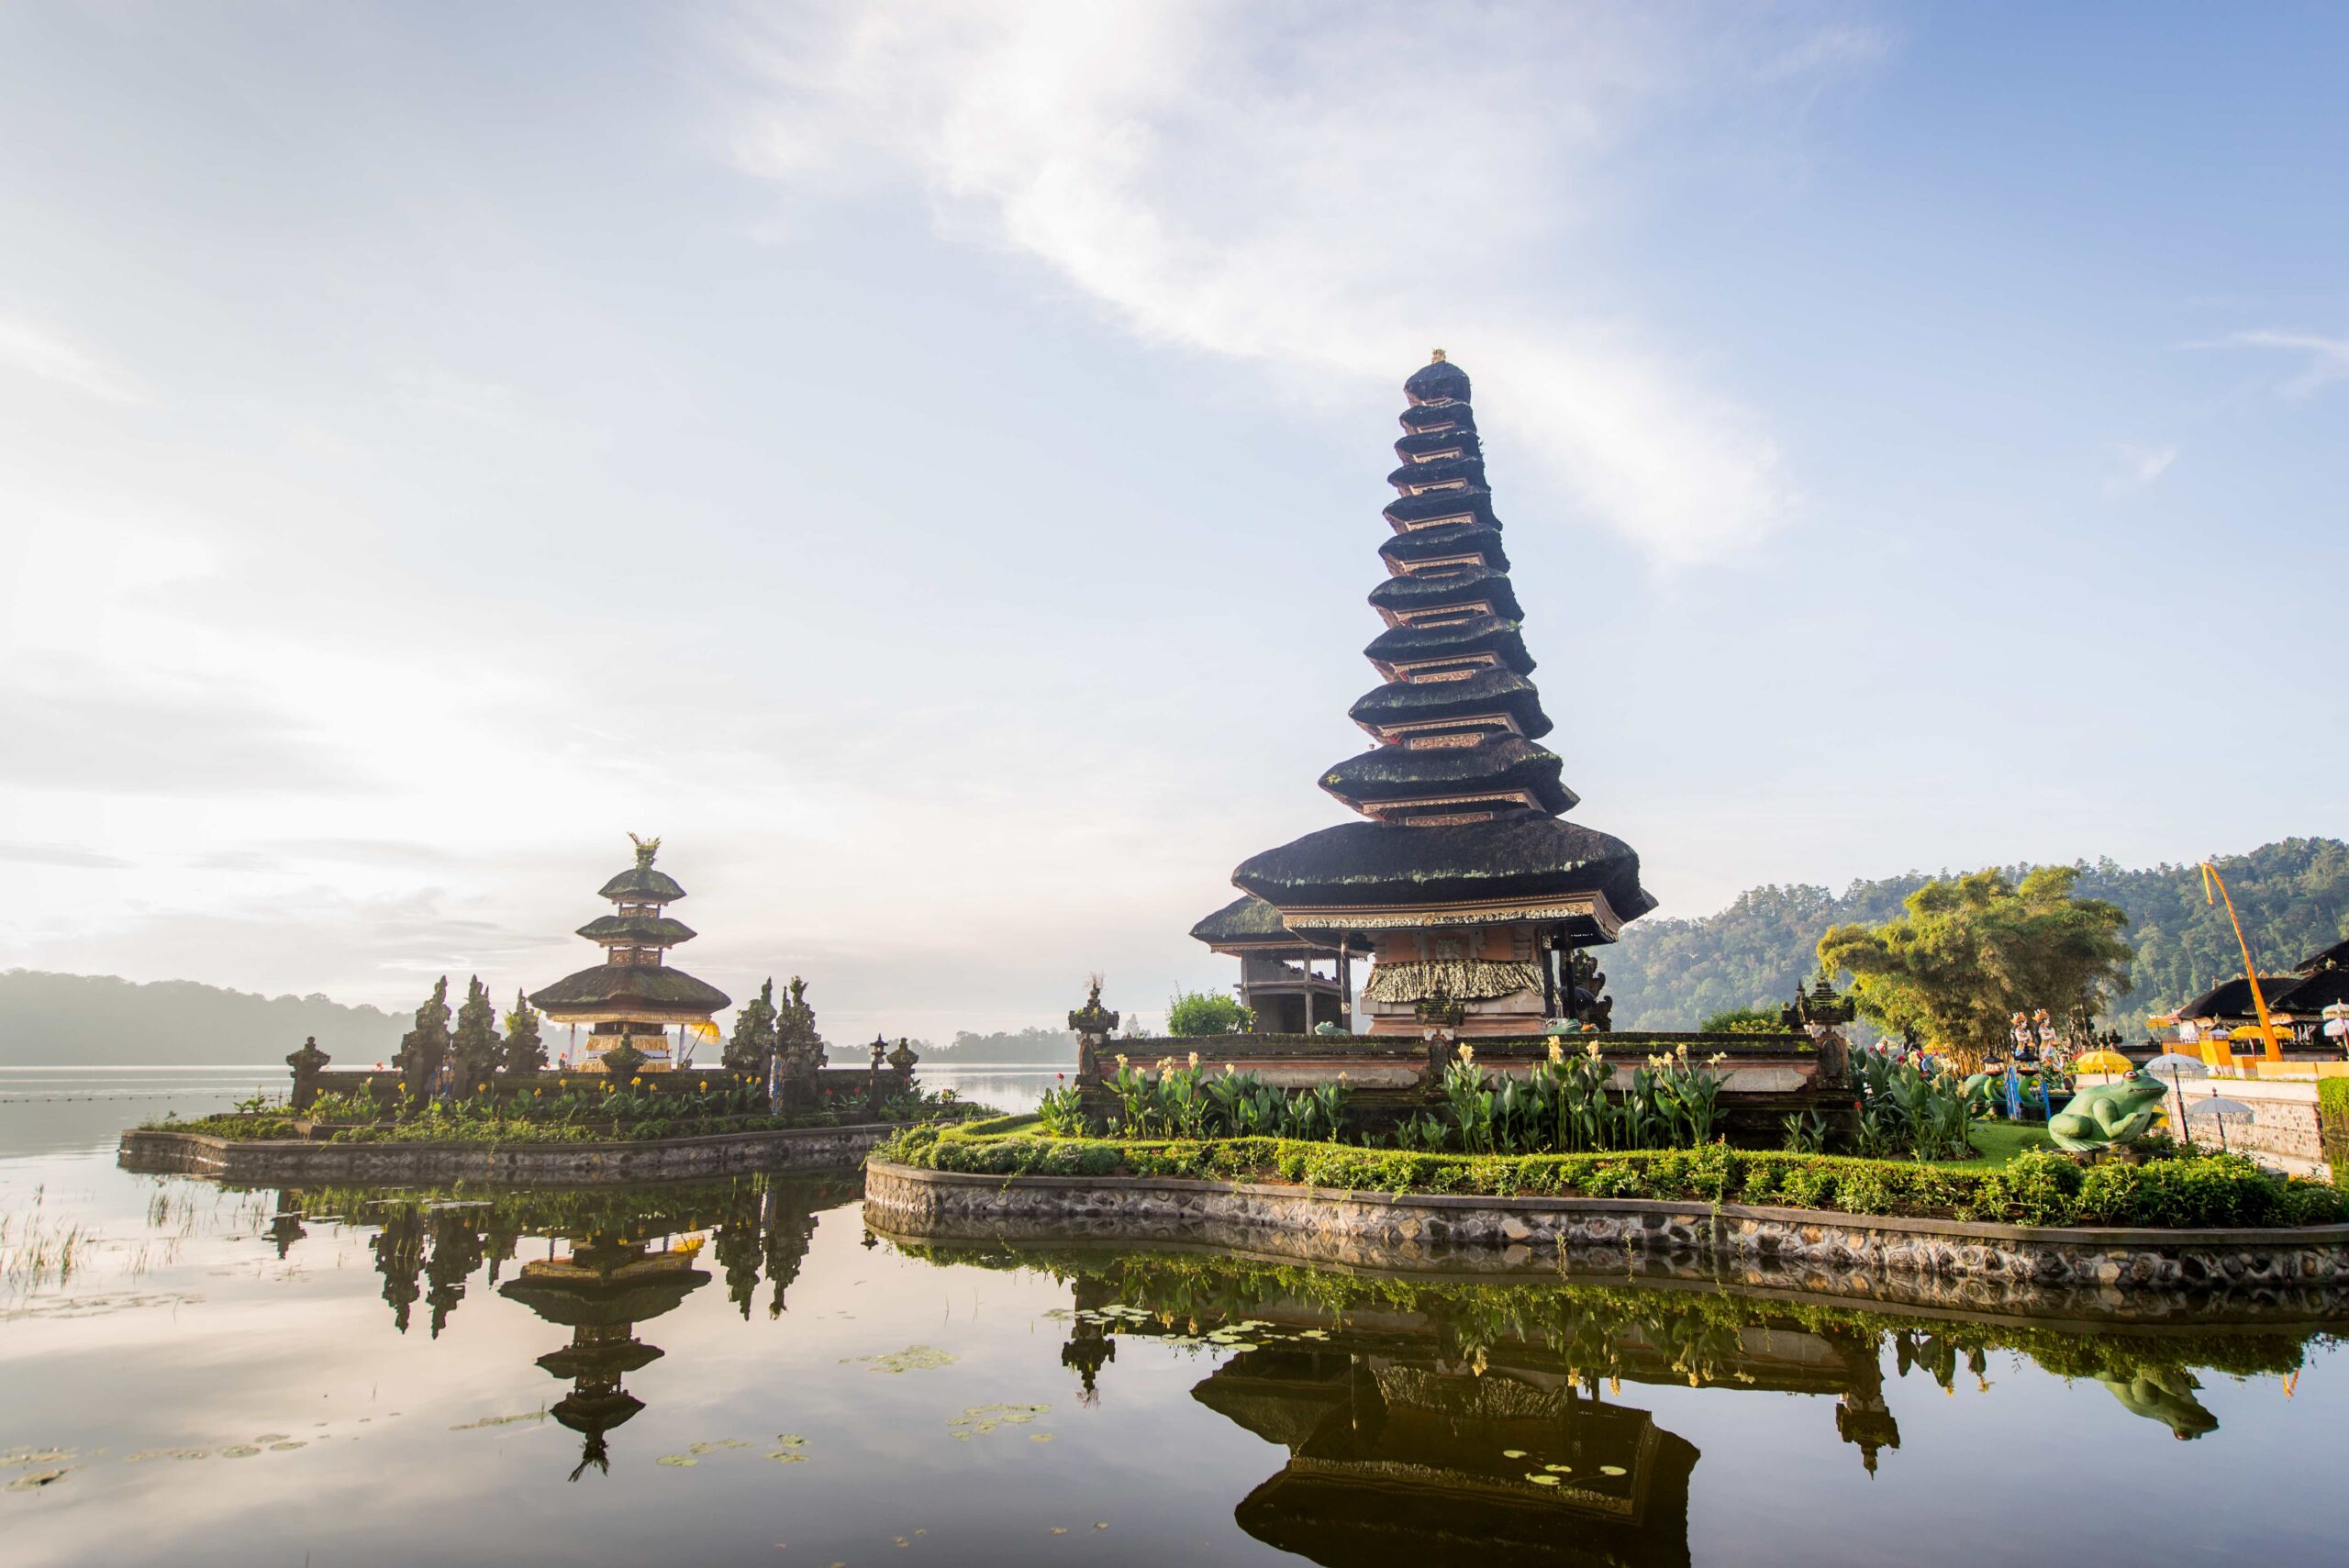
(2103, 1062)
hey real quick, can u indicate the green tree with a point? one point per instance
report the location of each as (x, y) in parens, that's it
(423, 1048)
(525, 1052)
(1969, 953)
(754, 1033)
(475, 1045)
(1205, 1012)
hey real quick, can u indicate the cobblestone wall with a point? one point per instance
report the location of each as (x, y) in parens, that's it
(2136, 1275)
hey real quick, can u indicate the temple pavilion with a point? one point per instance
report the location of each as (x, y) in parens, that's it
(634, 994)
(1461, 880)
(1278, 978)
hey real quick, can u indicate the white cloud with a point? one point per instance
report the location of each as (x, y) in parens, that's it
(2134, 467)
(2327, 359)
(40, 352)
(1324, 199)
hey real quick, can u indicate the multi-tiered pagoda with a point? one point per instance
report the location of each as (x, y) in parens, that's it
(634, 994)
(1461, 880)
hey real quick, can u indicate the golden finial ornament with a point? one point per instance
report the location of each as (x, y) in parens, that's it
(1436, 358)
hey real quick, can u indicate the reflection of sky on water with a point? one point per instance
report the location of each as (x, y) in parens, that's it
(183, 1329)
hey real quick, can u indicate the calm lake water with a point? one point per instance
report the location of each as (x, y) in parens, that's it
(738, 1372)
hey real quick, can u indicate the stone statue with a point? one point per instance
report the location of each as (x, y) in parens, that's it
(1093, 1024)
(2108, 1115)
(307, 1064)
(424, 1048)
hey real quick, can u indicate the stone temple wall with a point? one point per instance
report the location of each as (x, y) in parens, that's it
(2127, 1273)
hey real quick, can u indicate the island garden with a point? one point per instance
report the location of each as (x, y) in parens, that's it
(1488, 1103)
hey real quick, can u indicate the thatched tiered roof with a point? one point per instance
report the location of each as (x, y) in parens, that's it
(1462, 803)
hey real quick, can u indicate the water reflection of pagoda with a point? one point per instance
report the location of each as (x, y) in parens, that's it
(621, 1273)
(1462, 877)
(1407, 1445)
(600, 1292)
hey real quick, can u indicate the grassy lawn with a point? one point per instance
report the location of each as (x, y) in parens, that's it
(1999, 1142)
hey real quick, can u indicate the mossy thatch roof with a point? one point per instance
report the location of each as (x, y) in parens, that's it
(1521, 856)
(1245, 919)
(621, 985)
(1500, 761)
(1439, 471)
(1479, 634)
(1474, 503)
(1439, 380)
(1463, 439)
(1425, 591)
(641, 883)
(1423, 702)
(654, 930)
(1430, 544)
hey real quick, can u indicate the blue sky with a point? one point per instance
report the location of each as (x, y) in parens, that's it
(925, 462)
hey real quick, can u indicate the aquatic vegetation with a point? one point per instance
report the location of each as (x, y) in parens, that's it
(913, 1358)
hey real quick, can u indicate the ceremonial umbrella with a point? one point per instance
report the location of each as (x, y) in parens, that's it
(2102, 1062)
(2178, 1065)
(2219, 1106)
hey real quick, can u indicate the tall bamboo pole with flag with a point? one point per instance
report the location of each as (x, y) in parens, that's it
(2210, 878)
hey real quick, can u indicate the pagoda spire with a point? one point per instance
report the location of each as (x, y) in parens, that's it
(635, 995)
(1461, 805)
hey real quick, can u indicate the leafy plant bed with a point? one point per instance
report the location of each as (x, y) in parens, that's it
(2035, 1187)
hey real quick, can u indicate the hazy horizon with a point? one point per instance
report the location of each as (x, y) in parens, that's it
(925, 465)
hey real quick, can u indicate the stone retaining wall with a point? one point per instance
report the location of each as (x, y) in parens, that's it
(271, 1162)
(2126, 1273)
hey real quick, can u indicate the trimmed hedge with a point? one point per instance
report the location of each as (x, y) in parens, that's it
(2036, 1188)
(2332, 1126)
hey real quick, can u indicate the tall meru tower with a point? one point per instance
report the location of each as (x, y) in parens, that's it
(1462, 882)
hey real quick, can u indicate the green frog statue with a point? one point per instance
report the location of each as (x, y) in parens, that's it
(2108, 1115)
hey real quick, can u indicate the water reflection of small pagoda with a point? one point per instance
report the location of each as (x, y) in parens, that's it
(601, 1292)
(1462, 879)
(634, 996)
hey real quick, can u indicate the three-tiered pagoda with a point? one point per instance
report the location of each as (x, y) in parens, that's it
(633, 995)
(1462, 879)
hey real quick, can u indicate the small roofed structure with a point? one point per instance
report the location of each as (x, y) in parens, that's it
(1462, 879)
(2296, 1003)
(635, 995)
(1278, 981)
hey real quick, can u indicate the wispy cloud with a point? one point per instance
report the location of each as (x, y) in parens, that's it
(70, 855)
(2325, 360)
(38, 350)
(2133, 467)
(1325, 200)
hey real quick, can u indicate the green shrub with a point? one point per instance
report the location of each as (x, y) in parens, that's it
(2040, 1187)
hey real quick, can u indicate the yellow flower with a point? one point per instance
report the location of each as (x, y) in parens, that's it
(1195, 1062)
(1557, 1054)
(1467, 1056)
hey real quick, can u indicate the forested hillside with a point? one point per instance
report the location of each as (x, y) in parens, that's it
(102, 1020)
(2293, 897)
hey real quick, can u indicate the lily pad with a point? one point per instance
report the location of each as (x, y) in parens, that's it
(713, 1445)
(913, 1358)
(34, 1480)
(495, 1421)
(289, 1444)
(1040, 1436)
(1613, 1470)
(1512, 1453)
(1559, 1468)
(239, 1451)
(677, 1461)
(1539, 1479)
